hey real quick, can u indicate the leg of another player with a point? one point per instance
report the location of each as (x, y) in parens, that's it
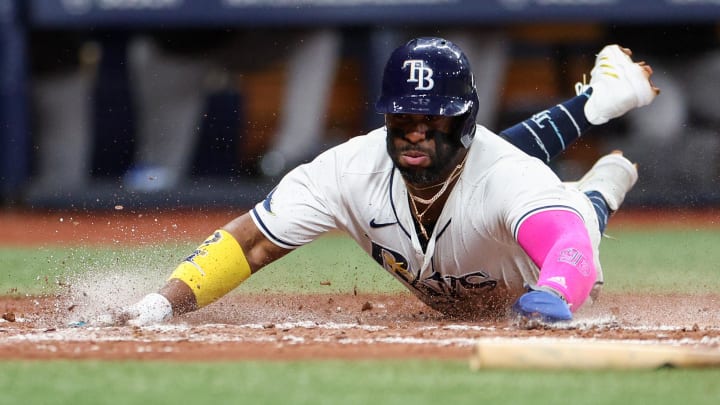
(310, 76)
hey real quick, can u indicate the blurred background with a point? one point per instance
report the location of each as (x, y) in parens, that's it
(183, 103)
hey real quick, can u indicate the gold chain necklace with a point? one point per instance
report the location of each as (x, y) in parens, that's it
(418, 217)
(429, 202)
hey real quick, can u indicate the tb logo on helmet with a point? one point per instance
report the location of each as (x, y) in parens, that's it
(420, 74)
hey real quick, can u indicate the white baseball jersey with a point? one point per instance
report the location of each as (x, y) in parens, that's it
(473, 261)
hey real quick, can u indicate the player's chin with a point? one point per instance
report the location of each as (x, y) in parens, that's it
(419, 176)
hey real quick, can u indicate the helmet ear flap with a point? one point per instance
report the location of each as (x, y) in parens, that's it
(466, 137)
(467, 132)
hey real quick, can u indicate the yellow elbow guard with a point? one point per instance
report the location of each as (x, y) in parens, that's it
(214, 269)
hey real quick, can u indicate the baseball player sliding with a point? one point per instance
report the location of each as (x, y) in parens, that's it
(474, 224)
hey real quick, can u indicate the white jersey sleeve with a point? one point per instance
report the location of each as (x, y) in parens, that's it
(334, 191)
(509, 186)
(300, 208)
(523, 186)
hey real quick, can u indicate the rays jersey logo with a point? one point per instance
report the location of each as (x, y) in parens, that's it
(436, 286)
(420, 74)
(393, 262)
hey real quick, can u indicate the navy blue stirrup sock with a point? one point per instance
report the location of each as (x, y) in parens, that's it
(601, 208)
(550, 132)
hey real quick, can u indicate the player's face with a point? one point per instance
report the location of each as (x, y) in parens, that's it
(422, 146)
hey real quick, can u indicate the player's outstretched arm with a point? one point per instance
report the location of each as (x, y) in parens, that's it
(617, 85)
(224, 260)
(558, 243)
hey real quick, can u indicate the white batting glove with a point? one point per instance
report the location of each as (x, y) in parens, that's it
(152, 309)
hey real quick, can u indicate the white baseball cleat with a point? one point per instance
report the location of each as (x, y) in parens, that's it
(618, 85)
(613, 176)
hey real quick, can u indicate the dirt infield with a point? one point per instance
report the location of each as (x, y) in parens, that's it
(282, 327)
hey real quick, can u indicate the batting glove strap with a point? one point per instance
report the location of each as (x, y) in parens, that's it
(543, 306)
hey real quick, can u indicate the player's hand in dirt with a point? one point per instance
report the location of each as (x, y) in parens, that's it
(542, 306)
(152, 309)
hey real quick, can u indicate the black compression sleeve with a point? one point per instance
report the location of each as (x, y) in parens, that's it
(547, 133)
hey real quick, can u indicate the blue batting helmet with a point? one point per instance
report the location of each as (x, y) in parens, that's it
(430, 76)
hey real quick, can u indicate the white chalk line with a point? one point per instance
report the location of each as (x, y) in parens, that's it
(47, 340)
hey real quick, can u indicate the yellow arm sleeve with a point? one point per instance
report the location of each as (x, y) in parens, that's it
(216, 267)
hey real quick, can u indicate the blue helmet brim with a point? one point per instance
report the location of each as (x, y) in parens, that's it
(445, 106)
